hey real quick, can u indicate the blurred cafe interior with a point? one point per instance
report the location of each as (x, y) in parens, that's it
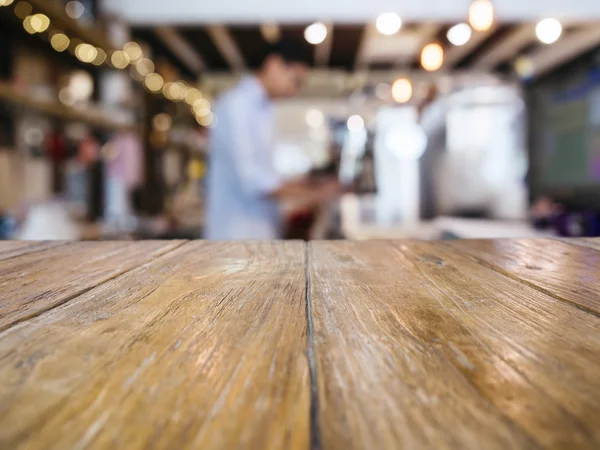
(440, 119)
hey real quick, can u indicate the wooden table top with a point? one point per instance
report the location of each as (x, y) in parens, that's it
(327, 345)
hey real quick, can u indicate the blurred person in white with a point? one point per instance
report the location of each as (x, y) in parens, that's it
(244, 191)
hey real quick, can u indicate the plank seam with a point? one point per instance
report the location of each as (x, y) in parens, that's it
(575, 243)
(315, 435)
(81, 292)
(531, 284)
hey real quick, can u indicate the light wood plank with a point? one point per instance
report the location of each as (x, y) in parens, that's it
(583, 242)
(570, 272)
(10, 249)
(202, 348)
(417, 346)
(35, 282)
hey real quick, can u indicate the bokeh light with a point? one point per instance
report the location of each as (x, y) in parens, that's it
(459, 34)
(355, 123)
(388, 23)
(60, 42)
(481, 15)
(75, 9)
(315, 33)
(120, 59)
(548, 30)
(432, 57)
(402, 90)
(154, 82)
(134, 51)
(315, 118)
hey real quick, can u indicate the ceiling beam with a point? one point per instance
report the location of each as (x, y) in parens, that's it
(456, 54)
(181, 48)
(509, 47)
(323, 50)
(227, 46)
(361, 61)
(566, 49)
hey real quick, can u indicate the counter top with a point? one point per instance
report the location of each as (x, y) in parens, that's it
(327, 345)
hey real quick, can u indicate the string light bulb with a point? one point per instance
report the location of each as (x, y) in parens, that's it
(481, 15)
(37, 23)
(100, 57)
(432, 57)
(60, 42)
(192, 96)
(201, 107)
(134, 51)
(120, 59)
(75, 9)
(144, 67)
(6, 2)
(86, 53)
(23, 9)
(154, 82)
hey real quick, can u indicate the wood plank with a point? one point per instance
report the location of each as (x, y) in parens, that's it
(583, 242)
(10, 249)
(417, 346)
(35, 282)
(570, 272)
(202, 348)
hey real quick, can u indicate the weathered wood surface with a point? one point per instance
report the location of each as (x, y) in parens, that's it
(11, 249)
(567, 270)
(412, 345)
(417, 346)
(36, 282)
(583, 242)
(202, 348)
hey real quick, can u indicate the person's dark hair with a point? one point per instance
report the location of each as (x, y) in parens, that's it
(290, 50)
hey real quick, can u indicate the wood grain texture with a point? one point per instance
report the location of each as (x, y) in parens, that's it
(583, 242)
(11, 249)
(417, 346)
(35, 282)
(202, 348)
(569, 272)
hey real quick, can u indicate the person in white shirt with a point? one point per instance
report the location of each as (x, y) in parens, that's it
(243, 188)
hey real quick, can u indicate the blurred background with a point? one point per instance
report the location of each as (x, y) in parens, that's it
(442, 118)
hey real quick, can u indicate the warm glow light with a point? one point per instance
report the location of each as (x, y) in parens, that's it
(6, 2)
(162, 122)
(100, 57)
(192, 96)
(206, 120)
(201, 107)
(524, 67)
(459, 34)
(388, 23)
(548, 30)
(38, 23)
(86, 53)
(120, 59)
(179, 91)
(60, 42)
(173, 91)
(145, 67)
(154, 82)
(134, 51)
(23, 9)
(481, 15)
(402, 90)
(75, 9)
(432, 57)
(315, 33)
(315, 118)
(355, 123)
